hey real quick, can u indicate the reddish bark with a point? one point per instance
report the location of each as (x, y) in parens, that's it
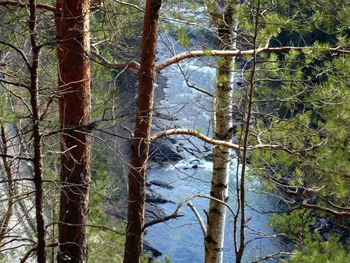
(140, 143)
(72, 30)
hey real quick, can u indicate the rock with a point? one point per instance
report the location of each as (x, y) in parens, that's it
(193, 163)
(164, 151)
(150, 251)
(153, 165)
(196, 153)
(179, 149)
(155, 198)
(161, 184)
(208, 156)
(172, 140)
(152, 212)
(196, 162)
(164, 116)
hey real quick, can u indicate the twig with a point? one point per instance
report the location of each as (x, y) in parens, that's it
(199, 218)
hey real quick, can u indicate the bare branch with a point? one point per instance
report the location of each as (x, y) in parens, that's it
(273, 256)
(46, 7)
(130, 5)
(338, 207)
(241, 53)
(199, 219)
(29, 252)
(163, 219)
(104, 62)
(25, 5)
(220, 142)
(17, 84)
(19, 51)
(327, 210)
(181, 205)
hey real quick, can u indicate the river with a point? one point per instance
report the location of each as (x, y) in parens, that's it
(182, 239)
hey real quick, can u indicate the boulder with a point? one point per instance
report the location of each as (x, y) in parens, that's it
(164, 151)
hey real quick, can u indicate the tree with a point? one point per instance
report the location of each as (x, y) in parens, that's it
(222, 126)
(140, 147)
(141, 136)
(37, 158)
(299, 120)
(73, 46)
(31, 88)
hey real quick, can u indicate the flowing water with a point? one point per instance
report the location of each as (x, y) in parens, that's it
(182, 239)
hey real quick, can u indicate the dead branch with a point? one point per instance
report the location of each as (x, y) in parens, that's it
(4, 222)
(29, 252)
(104, 62)
(209, 140)
(241, 53)
(199, 219)
(25, 5)
(176, 214)
(273, 256)
(19, 51)
(327, 210)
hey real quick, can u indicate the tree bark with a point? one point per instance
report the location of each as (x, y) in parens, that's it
(214, 240)
(37, 138)
(5, 219)
(140, 144)
(247, 117)
(72, 31)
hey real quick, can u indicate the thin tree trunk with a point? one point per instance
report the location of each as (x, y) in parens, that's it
(140, 144)
(246, 129)
(72, 31)
(37, 159)
(214, 240)
(4, 221)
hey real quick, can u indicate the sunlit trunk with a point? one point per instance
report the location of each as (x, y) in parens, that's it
(72, 29)
(140, 144)
(214, 240)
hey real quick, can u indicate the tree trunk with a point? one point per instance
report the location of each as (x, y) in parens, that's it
(72, 31)
(140, 144)
(37, 147)
(214, 240)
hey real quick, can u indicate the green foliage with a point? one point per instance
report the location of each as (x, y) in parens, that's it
(207, 52)
(6, 115)
(329, 251)
(311, 247)
(105, 241)
(304, 98)
(182, 36)
(294, 224)
(272, 25)
(146, 260)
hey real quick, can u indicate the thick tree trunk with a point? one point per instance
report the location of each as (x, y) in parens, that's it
(140, 143)
(72, 30)
(214, 240)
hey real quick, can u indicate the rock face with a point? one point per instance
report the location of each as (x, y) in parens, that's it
(161, 184)
(151, 251)
(153, 212)
(155, 198)
(164, 151)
